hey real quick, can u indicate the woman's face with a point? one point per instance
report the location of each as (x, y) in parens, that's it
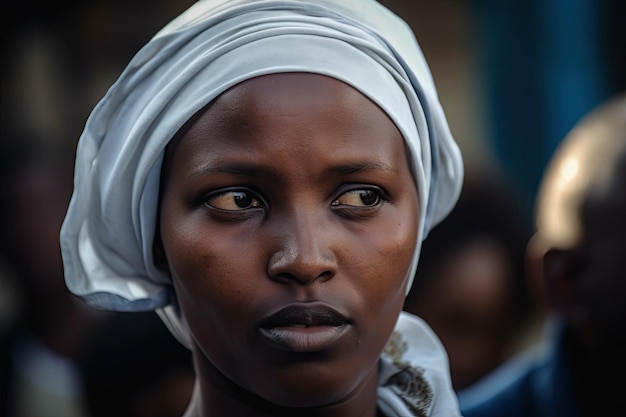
(289, 218)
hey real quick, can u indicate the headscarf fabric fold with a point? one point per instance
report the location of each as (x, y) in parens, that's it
(108, 233)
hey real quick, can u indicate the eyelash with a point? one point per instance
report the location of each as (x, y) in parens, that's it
(361, 191)
(256, 202)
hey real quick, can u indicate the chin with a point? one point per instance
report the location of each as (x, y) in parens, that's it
(311, 392)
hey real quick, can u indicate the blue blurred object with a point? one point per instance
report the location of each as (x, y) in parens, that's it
(546, 67)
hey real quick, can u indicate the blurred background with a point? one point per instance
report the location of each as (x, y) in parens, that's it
(514, 76)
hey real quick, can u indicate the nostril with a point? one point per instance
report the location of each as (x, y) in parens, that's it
(300, 278)
(292, 266)
(302, 252)
(325, 276)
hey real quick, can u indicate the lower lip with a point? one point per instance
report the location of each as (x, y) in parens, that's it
(305, 339)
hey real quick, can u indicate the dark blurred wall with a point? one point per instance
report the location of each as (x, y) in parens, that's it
(61, 57)
(615, 39)
(513, 76)
(548, 62)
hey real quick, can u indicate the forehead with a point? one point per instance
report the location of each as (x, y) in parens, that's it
(292, 95)
(261, 113)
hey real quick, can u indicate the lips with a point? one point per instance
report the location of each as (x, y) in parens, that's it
(304, 327)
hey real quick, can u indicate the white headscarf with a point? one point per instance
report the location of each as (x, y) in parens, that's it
(108, 233)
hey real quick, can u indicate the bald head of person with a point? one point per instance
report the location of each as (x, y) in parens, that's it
(577, 256)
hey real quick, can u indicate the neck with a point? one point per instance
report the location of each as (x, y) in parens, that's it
(216, 395)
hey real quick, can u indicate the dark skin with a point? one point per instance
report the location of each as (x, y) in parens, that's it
(288, 220)
(579, 264)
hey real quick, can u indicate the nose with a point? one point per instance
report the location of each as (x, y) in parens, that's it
(304, 250)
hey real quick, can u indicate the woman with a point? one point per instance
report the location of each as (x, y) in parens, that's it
(262, 175)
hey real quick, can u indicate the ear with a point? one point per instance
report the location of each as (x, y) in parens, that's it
(551, 274)
(561, 268)
(534, 262)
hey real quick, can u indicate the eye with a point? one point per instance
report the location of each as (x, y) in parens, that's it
(233, 200)
(362, 197)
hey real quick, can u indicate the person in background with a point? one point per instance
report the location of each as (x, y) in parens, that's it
(577, 258)
(39, 375)
(470, 285)
(262, 175)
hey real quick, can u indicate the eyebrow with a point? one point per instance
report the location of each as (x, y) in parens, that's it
(244, 170)
(362, 166)
(247, 170)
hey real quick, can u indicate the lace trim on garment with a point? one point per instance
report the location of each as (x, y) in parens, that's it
(409, 383)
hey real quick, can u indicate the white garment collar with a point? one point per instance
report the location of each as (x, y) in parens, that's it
(414, 377)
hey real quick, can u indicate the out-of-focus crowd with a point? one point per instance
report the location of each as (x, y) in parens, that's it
(518, 310)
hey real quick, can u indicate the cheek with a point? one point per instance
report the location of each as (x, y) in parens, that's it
(210, 273)
(217, 269)
(394, 244)
(206, 268)
(381, 285)
(386, 257)
(389, 275)
(213, 280)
